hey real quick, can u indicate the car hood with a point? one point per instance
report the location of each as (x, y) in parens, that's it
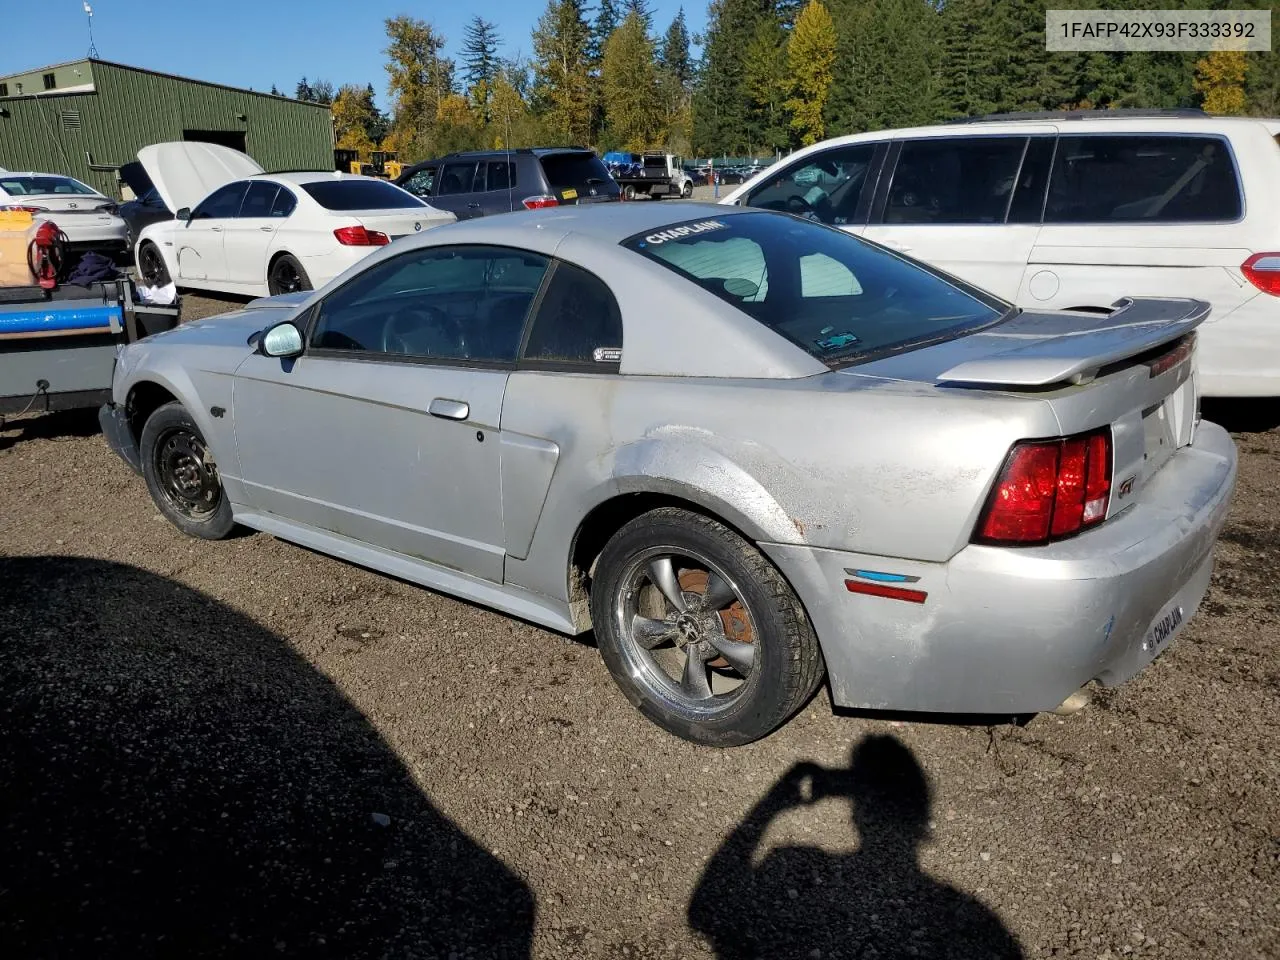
(228, 329)
(187, 172)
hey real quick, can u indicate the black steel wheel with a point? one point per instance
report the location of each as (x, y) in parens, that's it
(700, 631)
(151, 266)
(287, 276)
(182, 474)
(686, 191)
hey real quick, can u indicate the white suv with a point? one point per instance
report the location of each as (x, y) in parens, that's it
(1073, 211)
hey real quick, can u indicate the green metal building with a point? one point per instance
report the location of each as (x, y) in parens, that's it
(87, 118)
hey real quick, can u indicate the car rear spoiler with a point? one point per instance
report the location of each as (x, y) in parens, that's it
(1071, 353)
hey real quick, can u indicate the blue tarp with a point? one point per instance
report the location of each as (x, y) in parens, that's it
(57, 318)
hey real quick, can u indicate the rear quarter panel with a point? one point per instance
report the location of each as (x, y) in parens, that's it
(829, 461)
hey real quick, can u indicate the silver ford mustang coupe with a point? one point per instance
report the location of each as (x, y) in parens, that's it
(746, 449)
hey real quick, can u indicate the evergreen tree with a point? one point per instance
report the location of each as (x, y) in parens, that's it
(629, 81)
(274, 91)
(886, 61)
(811, 53)
(606, 21)
(721, 110)
(480, 52)
(765, 81)
(302, 91)
(639, 8)
(562, 81)
(673, 54)
(675, 81)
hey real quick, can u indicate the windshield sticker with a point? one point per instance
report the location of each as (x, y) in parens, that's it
(837, 342)
(679, 233)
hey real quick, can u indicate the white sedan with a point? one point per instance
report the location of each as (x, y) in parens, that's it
(89, 219)
(239, 230)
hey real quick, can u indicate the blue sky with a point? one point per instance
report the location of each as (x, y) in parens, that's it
(255, 43)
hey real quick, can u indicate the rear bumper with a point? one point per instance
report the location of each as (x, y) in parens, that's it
(115, 428)
(1017, 630)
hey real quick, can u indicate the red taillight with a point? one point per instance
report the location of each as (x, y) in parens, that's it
(23, 208)
(360, 237)
(1263, 271)
(1049, 490)
(540, 201)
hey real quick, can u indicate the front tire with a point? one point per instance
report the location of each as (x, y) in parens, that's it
(287, 276)
(151, 265)
(182, 476)
(700, 631)
(687, 190)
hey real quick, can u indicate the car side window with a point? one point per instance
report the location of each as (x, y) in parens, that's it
(223, 203)
(824, 186)
(502, 175)
(284, 203)
(437, 303)
(1142, 179)
(954, 180)
(456, 177)
(578, 321)
(259, 200)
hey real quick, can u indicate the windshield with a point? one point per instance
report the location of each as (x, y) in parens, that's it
(44, 185)
(835, 296)
(360, 195)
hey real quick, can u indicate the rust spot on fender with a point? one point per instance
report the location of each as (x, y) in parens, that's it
(799, 525)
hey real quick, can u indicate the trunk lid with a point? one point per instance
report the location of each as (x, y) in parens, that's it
(186, 172)
(1132, 370)
(401, 223)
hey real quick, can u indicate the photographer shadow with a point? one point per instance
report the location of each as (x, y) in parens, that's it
(873, 903)
(176, 781)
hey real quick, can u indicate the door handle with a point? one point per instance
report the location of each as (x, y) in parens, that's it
(475, 206)
(267, 229)
(448, 409)
(216, 229)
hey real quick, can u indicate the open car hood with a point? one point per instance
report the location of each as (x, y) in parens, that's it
(187, 172)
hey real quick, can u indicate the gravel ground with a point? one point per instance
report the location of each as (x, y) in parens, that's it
(247, 749)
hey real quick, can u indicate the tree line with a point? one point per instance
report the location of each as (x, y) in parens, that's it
(772, 75)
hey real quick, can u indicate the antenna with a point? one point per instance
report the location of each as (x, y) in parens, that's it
(93, 48)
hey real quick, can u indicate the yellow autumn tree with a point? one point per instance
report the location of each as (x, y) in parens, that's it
(1220, 80)
(811, 55)
(351, 119)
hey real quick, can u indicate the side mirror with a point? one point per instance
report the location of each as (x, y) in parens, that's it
(282, 340)
(184, 214)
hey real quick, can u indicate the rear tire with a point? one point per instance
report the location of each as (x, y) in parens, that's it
(740, 642)
(181, 476)
(287, 276)
(628, 192)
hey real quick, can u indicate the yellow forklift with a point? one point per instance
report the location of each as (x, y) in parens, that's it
(381, 163)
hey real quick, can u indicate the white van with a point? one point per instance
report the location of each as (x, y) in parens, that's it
(1073, 210)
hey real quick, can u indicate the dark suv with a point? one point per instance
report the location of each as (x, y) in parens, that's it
(482, 183)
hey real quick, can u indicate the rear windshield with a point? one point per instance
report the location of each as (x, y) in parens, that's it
(34, 186)
(835, 296)
(360, 195)
(577, 171)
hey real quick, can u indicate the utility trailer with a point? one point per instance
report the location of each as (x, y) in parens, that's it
(654, 175)
(58, 347)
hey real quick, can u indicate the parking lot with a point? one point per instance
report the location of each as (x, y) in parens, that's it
(256, 732)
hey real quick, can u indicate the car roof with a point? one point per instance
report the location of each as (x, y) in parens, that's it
(608, 223)
(517, 151)
(300, 177)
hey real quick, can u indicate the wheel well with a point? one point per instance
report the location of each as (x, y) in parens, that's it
(145, 399)
(608, 518)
